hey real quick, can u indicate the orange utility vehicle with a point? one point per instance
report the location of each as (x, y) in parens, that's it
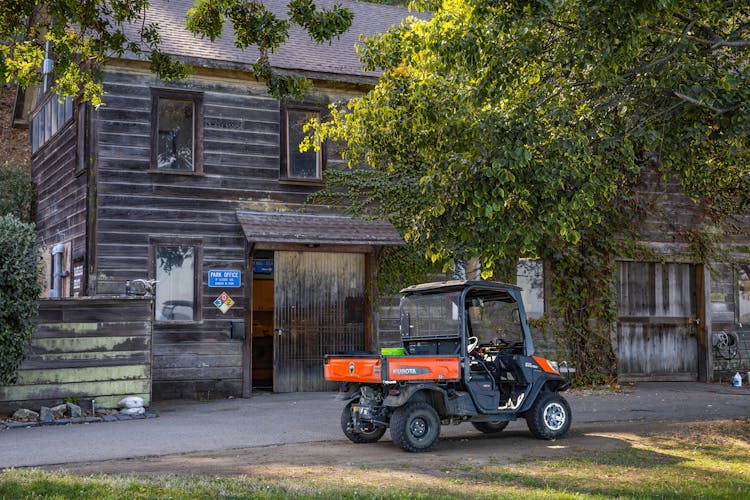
(466, 356)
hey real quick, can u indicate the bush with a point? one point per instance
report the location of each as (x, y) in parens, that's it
(17, 193)
(20, 286)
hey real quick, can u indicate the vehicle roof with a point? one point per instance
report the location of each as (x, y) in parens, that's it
(457, 285)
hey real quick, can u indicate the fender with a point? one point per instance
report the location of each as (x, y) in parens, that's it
(348, 391)
(407, 391)
(542, 381)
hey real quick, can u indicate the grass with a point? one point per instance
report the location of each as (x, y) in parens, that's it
(704, 460)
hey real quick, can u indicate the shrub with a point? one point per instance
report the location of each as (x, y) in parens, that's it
(20, 286)
(17, 193)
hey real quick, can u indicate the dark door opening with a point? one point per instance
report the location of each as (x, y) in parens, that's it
(262, 328)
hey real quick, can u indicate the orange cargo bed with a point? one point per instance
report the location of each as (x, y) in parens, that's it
(372, 369)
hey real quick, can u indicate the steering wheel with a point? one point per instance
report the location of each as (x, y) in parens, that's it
(473, 342)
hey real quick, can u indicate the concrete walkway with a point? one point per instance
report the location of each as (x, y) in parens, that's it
(270, 419)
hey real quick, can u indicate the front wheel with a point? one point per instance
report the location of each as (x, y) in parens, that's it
(490, 427)
(549, 417)
(371, 433)
(415, 427)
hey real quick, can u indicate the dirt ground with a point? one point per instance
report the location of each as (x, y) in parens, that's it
(382, 461)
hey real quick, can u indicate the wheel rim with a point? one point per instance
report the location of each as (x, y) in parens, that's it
(554, 416)
(418, 427)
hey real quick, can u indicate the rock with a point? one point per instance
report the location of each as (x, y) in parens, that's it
(75, 410)
(59, 411)
(133, 411)
(24, 414)
(45, 415)
(131, 402)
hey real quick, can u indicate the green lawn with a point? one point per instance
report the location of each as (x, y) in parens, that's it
(708, 460)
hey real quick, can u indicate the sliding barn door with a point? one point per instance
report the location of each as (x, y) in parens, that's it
(319, 309)
(657, 321)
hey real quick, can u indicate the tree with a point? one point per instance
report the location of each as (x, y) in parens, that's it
(20, 286)
(84, 34)
(509, 129)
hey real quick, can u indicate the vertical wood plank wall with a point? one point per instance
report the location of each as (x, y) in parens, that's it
(319, 302)
(656, 329)
(85, 348)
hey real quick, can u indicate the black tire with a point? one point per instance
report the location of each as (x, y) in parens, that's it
(549, 417)
(370, 435)
(415, 427)
(490, 427)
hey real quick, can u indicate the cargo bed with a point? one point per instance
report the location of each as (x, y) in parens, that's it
(374, 369)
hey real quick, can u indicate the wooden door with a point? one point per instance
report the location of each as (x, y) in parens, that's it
(657, 321)
(319, 309)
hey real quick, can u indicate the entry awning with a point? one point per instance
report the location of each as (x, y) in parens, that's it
(314, 229)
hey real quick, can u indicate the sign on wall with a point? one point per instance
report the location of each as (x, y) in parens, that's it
(224, 278)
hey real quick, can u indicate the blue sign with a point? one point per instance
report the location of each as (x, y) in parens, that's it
(220, 278)
(263, 266)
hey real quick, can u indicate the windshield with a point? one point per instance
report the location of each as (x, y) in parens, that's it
(495, 319)
(431, 316)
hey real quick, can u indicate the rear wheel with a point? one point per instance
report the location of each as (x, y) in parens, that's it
(549, 417)
(415, 427)
(490, 427)
(371, 433)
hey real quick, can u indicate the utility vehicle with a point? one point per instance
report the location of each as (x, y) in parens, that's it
(466, 356)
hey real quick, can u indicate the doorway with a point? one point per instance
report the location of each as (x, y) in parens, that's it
(657, 324)
(319, 309)
(262, 328)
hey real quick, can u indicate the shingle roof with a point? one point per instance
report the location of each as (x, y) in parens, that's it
(288, 227)
(299, 53)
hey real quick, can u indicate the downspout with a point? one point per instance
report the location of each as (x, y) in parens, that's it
(57, 276)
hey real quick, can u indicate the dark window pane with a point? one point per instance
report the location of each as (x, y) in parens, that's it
(301, 165)
(175, 287)
(175, 139)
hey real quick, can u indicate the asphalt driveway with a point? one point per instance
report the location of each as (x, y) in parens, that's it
(275, 419)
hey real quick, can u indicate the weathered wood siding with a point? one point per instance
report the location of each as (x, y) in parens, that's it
(85, 348)
(61, 192)
(319, 310)
(241, 164)
(726, 359)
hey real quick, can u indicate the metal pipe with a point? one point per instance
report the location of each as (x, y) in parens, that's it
(57, 274)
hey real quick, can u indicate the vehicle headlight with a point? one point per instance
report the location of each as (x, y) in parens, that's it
(554, 366)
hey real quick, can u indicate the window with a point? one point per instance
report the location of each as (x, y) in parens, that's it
(175, 289)
(176, 141)
(530, 277)
(51, 116)
(743, 294)
(307, 166)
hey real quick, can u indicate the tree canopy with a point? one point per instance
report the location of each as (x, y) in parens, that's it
(84, 34)
(500, 129)
(504, 129)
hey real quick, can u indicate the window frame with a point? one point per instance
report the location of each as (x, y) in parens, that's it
(41, 129)
(197, 245)
(177, 95)
(284, 146)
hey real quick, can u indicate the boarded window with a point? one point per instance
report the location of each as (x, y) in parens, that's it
(176, 136)
(175, 289)
(299, 165)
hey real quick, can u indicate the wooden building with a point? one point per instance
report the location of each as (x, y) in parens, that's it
(200, 186)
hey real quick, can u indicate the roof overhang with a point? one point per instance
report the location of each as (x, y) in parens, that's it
(281, 229)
